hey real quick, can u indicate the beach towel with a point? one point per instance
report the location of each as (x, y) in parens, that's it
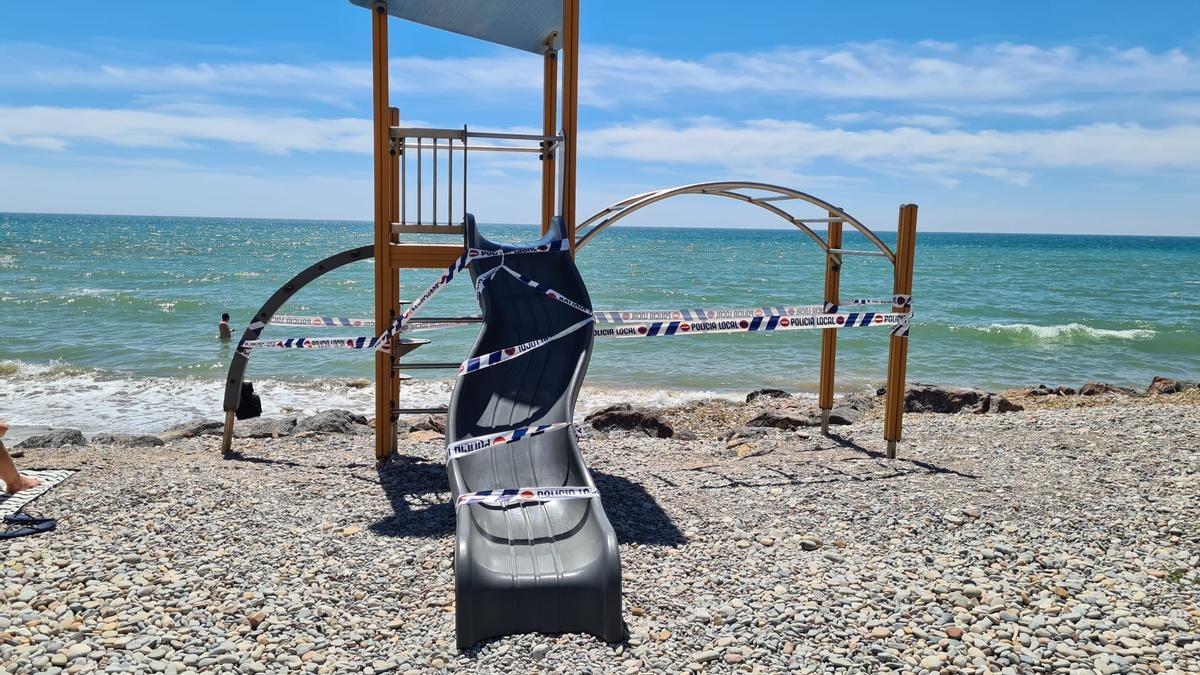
(10, 504)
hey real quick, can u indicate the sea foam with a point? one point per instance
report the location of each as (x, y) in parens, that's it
(1060, 333)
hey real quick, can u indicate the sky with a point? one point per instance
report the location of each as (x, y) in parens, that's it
(1076, 117)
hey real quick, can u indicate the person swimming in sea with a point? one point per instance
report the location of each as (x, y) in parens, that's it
(226, 333)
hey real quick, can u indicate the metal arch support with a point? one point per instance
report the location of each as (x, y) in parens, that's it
(237, 367)
(729, 189)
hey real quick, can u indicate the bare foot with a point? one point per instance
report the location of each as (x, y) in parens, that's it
(22, 483)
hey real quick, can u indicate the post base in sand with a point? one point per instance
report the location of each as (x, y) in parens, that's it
(227, 435)
(891, 449)
(824, 422)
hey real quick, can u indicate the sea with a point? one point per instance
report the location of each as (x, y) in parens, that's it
(109, 323)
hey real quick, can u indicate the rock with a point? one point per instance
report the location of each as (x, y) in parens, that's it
(330, 422)
(706, 656)
(686, 435)
(1098, 388)
(933, 662)
(1164, 385)
(766, 393)
(929, 398)
(880, 633)
(626, 417)
(844, 415)
(425, 435)
(262, 427)
(192, 430)
(431, 423)
(953, 632)
(128, 440)
(810, 543)
(255, 620)
(860, 402)
(733, 657)
(56, 438)
(746, 450)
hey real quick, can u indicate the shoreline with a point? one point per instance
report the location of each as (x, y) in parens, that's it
(598, 397)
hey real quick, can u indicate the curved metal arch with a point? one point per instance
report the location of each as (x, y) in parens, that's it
(237, 367)
(728, 189)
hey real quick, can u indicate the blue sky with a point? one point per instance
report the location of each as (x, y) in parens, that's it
(1016, 116)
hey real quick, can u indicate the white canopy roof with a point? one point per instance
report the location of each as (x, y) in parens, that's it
(523, 24)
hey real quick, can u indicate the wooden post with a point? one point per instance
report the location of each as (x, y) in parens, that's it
(385, 291)
(549, 124)
(833, 283)
(570, 112)
(906, 239)
(394, 286)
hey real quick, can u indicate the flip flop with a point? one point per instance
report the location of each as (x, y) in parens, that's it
(23, 524)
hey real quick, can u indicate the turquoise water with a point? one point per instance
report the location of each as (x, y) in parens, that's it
(114, 318)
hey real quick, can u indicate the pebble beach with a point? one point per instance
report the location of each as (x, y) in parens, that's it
(1058, 538)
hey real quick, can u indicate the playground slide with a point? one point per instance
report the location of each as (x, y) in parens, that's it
(529, 566)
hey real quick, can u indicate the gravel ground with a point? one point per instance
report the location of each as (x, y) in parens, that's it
(1052, 540)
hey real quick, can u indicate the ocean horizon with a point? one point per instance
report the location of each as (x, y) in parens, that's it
(109, 322)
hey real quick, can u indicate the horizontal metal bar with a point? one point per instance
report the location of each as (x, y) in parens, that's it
(425, 228)
(475, 148)
(446, 319)
(460, 134)
(419, 411)
(849, 251)
(428, 365)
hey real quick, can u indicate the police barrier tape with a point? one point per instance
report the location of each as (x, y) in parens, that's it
(899, 321)
(526, 494)
(470, 446)
(755, 324)
(610, 316)
(383, 343)
(477, 363)
(342, 322)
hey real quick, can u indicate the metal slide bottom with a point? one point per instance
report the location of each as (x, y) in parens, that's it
(525, 567)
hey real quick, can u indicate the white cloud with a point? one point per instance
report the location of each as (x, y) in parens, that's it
(148, 129)
(1010, 78)
(999, 154)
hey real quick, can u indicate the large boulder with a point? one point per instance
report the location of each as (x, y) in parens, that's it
(192, 429)
(624, 416)
(1165, 385)
(1098, 388)
(766, 393)
(330, 422)
(128, 440)
(263, 427)
(56, 438)
(949, 400)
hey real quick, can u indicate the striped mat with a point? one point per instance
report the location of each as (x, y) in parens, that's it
(10, 504)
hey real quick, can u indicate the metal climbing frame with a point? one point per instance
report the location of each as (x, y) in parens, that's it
(770, 197)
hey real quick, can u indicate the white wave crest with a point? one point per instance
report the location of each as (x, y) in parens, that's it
(98, 401)
(1061, 333)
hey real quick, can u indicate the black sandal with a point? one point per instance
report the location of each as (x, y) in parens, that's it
(24, 524)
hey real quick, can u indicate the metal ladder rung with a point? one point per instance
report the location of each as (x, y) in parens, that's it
(446, 319)
(850, 251)
(420, 411)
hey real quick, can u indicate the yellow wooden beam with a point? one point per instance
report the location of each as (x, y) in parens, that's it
(385, 280)
(570, 113)
(549, 124)
(420, 256)
(833, 278)
(906, 240)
